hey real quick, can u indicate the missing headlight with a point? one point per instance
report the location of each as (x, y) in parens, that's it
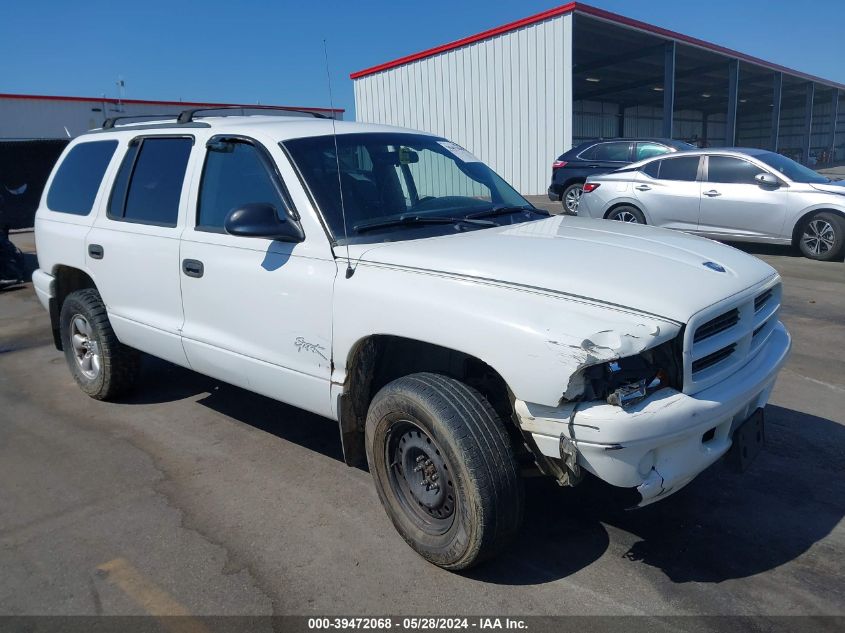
(627, 381)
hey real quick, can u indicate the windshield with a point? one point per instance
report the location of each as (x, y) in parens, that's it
(790, 168)
(403, 186)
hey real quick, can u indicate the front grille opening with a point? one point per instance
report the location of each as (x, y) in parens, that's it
(714, 326)
(709, 435)
(712, 359)
(761, 300)
(759, 329)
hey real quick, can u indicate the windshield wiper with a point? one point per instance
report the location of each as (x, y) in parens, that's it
(409, 220)
(506, 210)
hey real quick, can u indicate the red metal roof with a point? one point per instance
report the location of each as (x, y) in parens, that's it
(597, 13)
(187, 104)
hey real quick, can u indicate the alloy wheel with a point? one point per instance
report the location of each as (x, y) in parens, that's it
(819, 237)
(85, 348)
(572, 198)
(626, 216)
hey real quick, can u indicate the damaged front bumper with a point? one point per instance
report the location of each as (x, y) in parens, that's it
(663, 442)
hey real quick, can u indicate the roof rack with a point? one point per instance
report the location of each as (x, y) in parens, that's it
(187, 116)
(109, 123)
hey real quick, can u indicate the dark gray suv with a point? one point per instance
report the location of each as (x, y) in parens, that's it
(591, 158)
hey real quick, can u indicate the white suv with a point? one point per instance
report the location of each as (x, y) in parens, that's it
(389, 280)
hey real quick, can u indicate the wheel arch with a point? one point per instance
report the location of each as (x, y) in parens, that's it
(68, 279)
(378, 359)
(626, 203)
(796, 228)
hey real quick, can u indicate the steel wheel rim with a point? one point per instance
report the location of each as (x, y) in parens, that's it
(819, 237)
(420, 477)
(86, 351)
(626, 216)
(572, 198)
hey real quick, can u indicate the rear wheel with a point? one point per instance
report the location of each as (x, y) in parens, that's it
(823, 237)
(572, 196)
(444, 470)
(102, 366)
(627, 213)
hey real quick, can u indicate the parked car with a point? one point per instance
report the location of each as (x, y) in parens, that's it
(389, 280)
(745, 195)
(572, 168)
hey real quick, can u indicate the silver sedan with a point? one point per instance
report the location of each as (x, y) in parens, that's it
(749, 195)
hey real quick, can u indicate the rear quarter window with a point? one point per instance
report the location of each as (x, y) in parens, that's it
(78, 178)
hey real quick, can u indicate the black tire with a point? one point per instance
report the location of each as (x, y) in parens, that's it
(822, 237)
(118, 365)
(467, 450)
(627, 213)
(571, 196)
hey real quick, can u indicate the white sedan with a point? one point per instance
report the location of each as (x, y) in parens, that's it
(749, 195)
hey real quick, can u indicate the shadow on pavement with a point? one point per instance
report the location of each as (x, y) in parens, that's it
(722, 526)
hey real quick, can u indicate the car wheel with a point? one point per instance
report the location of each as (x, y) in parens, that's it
(444, 469)
(823, 237)
(102, 366)
(627, 213)
(571, 197)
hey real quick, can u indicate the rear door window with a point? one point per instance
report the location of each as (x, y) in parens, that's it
(148, 186)
(613, 152)
(685, 168)
(78, 178)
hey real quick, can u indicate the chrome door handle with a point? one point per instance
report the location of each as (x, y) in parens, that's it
(642, 188)
(712, 193)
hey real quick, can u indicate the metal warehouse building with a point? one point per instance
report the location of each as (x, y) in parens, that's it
(521, 94)
(52, 117)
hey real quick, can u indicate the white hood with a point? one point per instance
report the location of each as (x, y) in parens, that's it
(651, 270)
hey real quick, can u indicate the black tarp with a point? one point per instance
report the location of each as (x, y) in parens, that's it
(24, 168)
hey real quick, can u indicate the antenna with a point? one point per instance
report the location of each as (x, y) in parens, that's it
(349, 270)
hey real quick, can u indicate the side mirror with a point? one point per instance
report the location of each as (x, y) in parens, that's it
(767, 180)
(260, 219)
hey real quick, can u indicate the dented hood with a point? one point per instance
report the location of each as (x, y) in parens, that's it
(650, 270)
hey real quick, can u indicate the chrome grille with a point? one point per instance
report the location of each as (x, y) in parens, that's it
(722, 338)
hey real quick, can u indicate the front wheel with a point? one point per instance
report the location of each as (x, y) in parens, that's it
(823, 237)
(444, 469)
(627, 213)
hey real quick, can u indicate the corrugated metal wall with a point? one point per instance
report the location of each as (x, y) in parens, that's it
(507, 99)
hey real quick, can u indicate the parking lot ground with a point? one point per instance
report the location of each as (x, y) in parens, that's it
(195, 497)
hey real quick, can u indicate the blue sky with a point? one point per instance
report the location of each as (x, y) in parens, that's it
(271, 52)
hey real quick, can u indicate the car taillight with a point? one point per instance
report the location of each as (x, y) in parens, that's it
(590, 186)
(558, 164)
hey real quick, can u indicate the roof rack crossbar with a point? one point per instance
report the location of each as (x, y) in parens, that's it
(109, 123)
(187, 116)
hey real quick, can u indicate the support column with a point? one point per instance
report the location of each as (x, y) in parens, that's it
(733, 97)
(620, 123)
(808, 122)
(704, 121)
(834, 113)
(668, 89)
(777, 92)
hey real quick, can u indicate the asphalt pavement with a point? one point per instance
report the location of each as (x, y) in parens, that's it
(194, 497)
